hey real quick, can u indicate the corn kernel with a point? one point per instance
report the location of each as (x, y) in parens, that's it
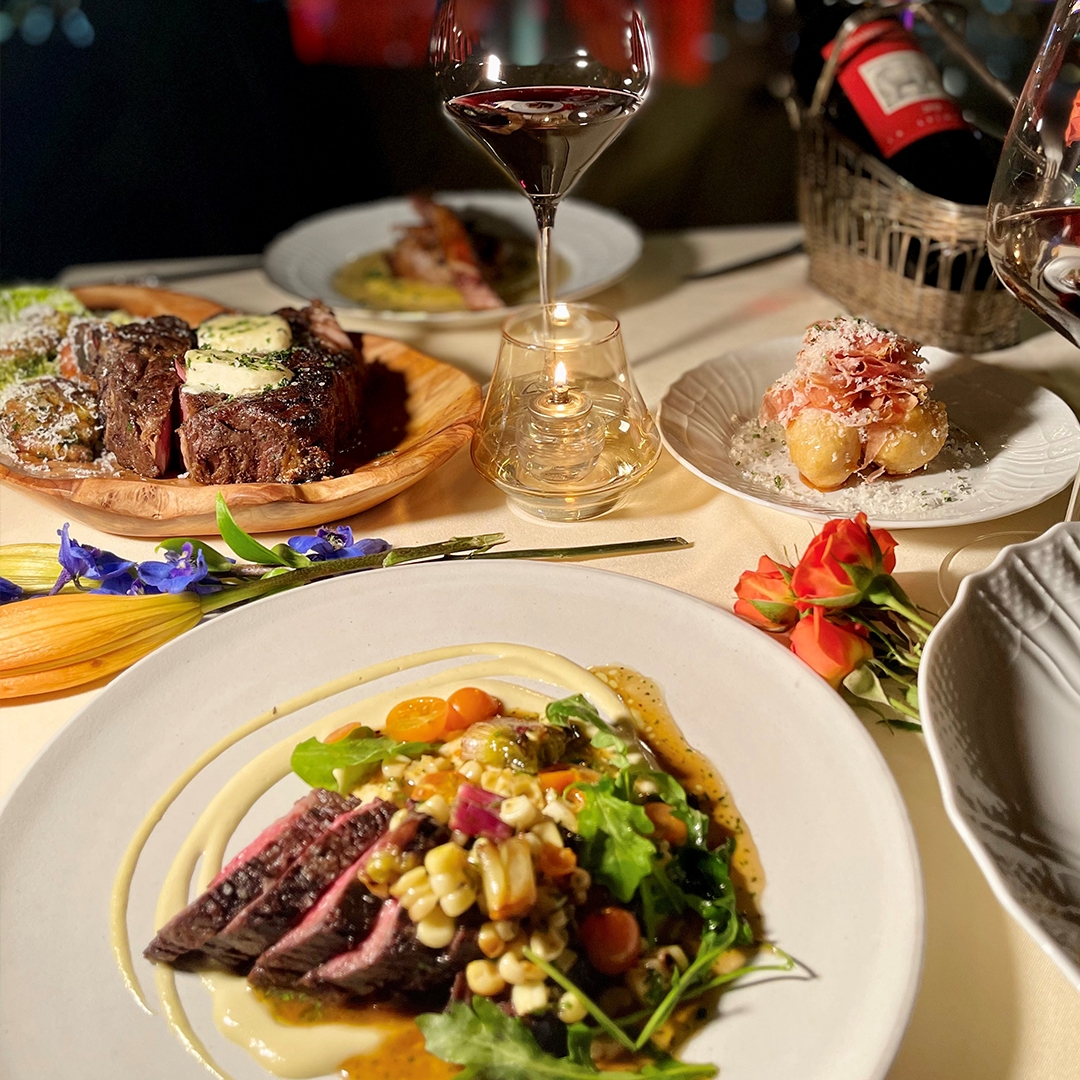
(413, 879)
(570, 1010)
(559, 812)
(436, 930)
(507, 929)
(436, 807)
(517, 971)
(491, 944)
(445, 859)
(518, 812)
(549, 833)
(548, 946)
(422, 907)
(459, 901)
(529, 998)
(472, 771)
(484, 979)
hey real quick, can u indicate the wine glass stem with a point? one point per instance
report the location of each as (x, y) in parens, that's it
(545, 222)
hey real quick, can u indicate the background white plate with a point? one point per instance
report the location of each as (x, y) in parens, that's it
(1030, 436)
(597, 247)
(843, 887)
(1000, 692)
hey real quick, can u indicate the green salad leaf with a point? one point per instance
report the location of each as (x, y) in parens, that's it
(354, 756)
(578, 707)
(493, 1046)
(617, 850)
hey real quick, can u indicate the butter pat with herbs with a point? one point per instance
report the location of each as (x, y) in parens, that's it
(214, 371)
(245, 333)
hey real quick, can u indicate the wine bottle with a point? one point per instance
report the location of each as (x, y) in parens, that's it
(887, 97)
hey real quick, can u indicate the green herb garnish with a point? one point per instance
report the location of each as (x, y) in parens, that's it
(351, 758)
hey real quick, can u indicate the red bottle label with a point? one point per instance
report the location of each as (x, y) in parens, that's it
(894, 86)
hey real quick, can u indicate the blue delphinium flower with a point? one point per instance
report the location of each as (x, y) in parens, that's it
(9, 591)
(113, 573)
(178, 572)
(335, 543)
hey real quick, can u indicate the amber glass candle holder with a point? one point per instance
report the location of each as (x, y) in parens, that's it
(564, 432)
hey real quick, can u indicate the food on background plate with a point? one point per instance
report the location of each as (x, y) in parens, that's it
(857, 401)
(491, 866)
(449, 262)
(242, 398)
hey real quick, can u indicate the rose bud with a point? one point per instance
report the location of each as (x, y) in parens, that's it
(765, 597)
(842, 561)
(832, 650)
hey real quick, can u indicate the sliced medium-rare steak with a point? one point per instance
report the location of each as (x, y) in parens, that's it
(347, 911)
(134, 369)
(267, 919)
(392, 959)
(289, 434)
(248, 875)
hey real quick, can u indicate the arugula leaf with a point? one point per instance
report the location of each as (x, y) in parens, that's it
(577, 707)
(316, 762)
(617, 849)
(494, 1046)
(671, 791)
(247, 547)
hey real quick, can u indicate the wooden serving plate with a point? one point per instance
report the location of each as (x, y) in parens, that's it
(443, 407)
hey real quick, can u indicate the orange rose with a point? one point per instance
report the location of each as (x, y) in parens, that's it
(765, 596)
(842, 562)
(833, 651)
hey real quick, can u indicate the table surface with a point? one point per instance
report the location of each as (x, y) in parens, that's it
(991, 1005)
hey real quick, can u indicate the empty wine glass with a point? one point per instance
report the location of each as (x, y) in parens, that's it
(544, 88)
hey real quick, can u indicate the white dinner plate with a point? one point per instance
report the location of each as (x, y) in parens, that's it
(594, 246)
(1028, 443)
(1000, 691)
(843, 890)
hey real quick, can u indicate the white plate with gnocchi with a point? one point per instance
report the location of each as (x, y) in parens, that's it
(1011, 445)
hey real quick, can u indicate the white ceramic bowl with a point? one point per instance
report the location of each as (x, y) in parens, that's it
(1000, 694)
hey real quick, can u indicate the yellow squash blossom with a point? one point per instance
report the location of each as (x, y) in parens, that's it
(56, 642)
(33, 567)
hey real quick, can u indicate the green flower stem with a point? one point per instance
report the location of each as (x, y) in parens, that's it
(586, 551)
(331, 568)
(904, 709)
(590, 1006)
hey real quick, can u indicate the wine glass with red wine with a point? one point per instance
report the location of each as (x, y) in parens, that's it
(1033, 235)
(543, 87)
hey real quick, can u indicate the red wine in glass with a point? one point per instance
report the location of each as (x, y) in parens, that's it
(1037, 255)
(544, 88)
(544, 137)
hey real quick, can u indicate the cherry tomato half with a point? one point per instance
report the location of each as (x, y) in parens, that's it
(419, 719)
(469, 706)
(340, 733)
(612, 940)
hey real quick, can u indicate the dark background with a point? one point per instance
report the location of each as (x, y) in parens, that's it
(158, 128)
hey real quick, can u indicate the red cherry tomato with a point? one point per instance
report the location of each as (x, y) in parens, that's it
(612, 940)
(469, 706)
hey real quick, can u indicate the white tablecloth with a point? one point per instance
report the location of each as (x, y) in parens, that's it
(991, 1005)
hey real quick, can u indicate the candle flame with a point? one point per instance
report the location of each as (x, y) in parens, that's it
(559, 376)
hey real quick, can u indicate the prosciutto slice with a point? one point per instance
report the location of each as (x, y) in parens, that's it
(848, 367)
